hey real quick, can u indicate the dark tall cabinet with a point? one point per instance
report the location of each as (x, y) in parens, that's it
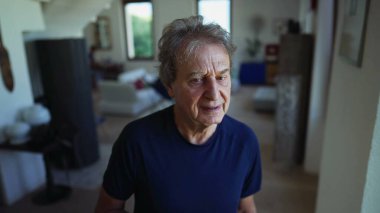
(66, 81)
(293, 89)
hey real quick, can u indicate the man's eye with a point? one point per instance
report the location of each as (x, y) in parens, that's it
(196, 80)
(223, 77)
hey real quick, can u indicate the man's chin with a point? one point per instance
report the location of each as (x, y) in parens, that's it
(212, 120)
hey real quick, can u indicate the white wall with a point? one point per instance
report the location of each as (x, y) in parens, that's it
(270, 10)
(320, 83)
(304, 9)
(166, 11)
(371, 196)
(19, 172)
(12, 25)
(66, 18)
(117, 53)
(351, 113)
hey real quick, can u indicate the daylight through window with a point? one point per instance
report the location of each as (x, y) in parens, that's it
(218, 11)
(138, 23)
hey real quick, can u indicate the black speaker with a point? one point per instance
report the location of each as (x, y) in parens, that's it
(66, 80)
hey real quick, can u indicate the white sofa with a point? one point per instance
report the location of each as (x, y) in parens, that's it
(121, 97)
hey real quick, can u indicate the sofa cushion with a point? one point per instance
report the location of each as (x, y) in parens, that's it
(117, 92)
(264, 98)
(131, 75)
(123, 98)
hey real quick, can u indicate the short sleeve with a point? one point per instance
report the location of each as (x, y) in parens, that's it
(119, 178)
(252, 183)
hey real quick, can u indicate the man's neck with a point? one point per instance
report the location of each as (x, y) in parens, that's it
(194, 134)
(198, 136)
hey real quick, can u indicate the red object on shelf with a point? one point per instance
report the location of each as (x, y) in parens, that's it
(271, 52)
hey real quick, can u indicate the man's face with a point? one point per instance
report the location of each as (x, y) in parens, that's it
(202, 87)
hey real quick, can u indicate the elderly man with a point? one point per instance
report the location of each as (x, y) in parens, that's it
(189, 157)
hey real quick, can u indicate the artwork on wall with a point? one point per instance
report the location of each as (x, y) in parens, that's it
(353, 31)
(5, 67)
(279, 26)
(103, 33)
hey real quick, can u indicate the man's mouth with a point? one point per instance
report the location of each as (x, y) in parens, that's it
(211, 108)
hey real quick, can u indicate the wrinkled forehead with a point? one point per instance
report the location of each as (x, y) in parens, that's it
(206, 58)
(190, 51)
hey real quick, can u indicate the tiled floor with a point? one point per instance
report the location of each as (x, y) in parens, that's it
(283, 191)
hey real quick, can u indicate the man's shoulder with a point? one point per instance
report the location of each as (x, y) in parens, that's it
(234, 125)
(238, 130)
(154, 120)
(149, 125)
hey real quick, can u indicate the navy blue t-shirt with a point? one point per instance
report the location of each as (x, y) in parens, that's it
(168, 174)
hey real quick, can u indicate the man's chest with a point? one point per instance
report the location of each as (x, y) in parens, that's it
(204, 181)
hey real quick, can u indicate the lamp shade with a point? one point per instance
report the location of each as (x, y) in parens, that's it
(17, 132)
(36, 115)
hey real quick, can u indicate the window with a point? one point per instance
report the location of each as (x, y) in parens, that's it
(139, 29)
(218, 11)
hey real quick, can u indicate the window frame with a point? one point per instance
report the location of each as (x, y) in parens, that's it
(151, 58)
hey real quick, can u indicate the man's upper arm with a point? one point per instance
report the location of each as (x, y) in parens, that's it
(247, 205)
(106, 203)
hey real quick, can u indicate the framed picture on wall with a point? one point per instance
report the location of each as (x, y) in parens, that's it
(103, 33)
(353, 31)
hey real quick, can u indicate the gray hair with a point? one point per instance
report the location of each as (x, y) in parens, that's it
(180, 40)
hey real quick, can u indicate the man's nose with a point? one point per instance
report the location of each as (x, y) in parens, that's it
(212, 88)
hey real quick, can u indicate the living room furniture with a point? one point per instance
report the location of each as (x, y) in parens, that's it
(64, 69)
(271, 72)
(271, 62)
(129, 95)
(50, 143)
(252, 73)
(293, 88)
(108, 71)
(264, 99)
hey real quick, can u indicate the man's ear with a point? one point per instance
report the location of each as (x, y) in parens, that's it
(170, 91)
